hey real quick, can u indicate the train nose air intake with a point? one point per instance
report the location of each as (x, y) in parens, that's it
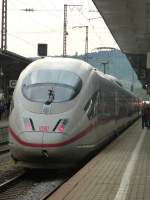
(60, 126)
(45, 153)
(28, 124)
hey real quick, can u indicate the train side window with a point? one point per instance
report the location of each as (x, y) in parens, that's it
(92, 106)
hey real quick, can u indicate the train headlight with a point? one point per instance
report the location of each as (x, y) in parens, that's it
(60, 126)
(28, 124)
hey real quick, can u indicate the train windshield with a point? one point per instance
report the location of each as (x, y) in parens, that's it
(63, 85)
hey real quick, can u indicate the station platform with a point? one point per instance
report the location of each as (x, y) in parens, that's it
(121, 171)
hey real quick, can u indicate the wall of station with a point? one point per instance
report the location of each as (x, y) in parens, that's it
(8, 78)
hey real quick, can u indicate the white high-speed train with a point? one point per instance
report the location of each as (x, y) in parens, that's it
(62, 110)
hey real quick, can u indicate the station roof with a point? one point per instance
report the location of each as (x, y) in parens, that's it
(129, 23)
(8, 57)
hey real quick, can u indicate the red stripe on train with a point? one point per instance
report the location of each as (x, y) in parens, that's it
(69, 141)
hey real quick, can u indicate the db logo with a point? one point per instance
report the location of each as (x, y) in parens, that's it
(44, 128)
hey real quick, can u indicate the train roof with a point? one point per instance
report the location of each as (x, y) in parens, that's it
(69, 64)
(114, 79)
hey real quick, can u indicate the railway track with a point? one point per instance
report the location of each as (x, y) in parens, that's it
(35, 185)
(4, 149)
(9, 181)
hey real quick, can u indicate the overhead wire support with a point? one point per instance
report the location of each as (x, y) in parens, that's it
(86, 43)
(4, 26)
(65, 33)
(65, 30)
(95, 18)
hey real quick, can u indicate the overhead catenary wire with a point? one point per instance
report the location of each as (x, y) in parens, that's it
(25, 41)
(98, 36)
(23, 2)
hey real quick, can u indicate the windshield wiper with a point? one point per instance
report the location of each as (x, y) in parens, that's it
(51, 97)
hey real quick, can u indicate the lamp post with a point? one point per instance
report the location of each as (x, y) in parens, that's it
(104, 65)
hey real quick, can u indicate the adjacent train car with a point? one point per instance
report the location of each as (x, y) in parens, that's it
(62, 110)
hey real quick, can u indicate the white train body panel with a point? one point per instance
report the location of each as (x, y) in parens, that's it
(64, 109)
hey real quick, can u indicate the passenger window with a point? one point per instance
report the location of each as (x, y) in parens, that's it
(92, 106)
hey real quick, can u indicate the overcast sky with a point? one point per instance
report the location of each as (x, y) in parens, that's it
(45, 25)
